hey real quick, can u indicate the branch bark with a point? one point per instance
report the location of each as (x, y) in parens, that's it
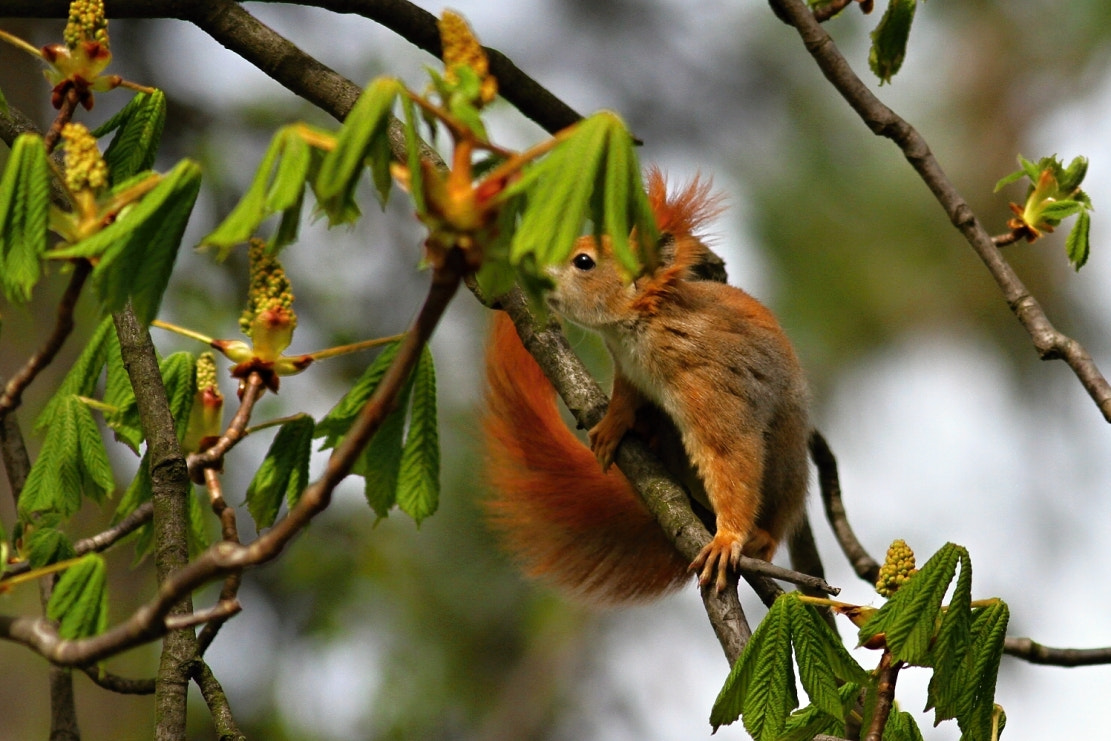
(170, 491)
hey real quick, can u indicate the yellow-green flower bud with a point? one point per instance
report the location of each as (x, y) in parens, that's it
(461, 49)
(85, 167)
(207, 415)
(87, 22)
(897, 568)
(268, 319)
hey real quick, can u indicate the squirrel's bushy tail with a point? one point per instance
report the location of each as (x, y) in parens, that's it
(556, 511)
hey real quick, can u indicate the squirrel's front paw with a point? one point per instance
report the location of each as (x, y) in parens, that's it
(606, 436)
(715, 560)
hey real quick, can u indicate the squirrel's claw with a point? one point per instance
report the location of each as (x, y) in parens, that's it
(716, 558)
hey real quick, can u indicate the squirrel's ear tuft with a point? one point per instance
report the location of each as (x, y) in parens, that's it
(687, 210)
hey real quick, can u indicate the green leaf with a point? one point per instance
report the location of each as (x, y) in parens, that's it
(1055, 211)
(761, 686)
(805, 724)
(48, 545)
(82, 377)
(1069, 178)
(593, 174)
(284, 472)
(1006, 180)
(889, 40)
(380, 462)
(901, 726)
(72, 462)
(362, 137)
(137, 251)
(197, 534)
(335, 424)
(24, 217)
(910, 617)
(278, 187)
(1076, 244)
(179, 376)
(138, 126)
(96, 470)
(119, 395)
(989, 629)
(418, 486)
(947, 692)
(138, 491)
(80, 599)
(823, 662)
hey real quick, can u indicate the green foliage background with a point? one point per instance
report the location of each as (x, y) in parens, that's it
(828, 225)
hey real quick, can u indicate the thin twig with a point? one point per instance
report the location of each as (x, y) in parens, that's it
(229, 533)
(1047, 340)
(120, 685)
(63, 326)
(758, 567)
(100, 542)
(213, 693)
(1036, 653)
(236, 430)
(866, 567)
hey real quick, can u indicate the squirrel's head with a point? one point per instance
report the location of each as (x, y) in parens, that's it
(592, 290)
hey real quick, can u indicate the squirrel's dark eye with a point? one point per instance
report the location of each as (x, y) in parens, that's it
(583, 261)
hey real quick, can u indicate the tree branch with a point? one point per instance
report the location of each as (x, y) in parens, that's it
(63, 326)
(1050, 343)
(420, 28)
(170, 487)
(866, 567)
(1036, 653)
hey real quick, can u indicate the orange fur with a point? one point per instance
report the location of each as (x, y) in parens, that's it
(557, 512)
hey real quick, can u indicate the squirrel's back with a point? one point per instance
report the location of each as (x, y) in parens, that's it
(556, 511)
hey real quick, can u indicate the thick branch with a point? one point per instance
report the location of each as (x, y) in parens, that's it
(419, 27)
(1050, 343)
(170, 489)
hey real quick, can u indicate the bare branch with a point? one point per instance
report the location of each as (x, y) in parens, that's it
(757, 567)
(63, 326)
(229, 533)
(226, 727)
(1036, 653)
(1050, 343)
(170, 491)
(866, 567)
(118, 684)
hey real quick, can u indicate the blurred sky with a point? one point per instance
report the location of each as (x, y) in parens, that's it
(939, 436)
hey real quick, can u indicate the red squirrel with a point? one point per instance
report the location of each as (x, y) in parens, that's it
(711, 357)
